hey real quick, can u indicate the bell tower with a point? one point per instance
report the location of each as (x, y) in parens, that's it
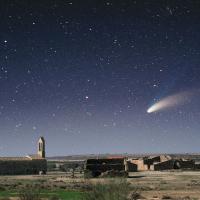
(41, 147)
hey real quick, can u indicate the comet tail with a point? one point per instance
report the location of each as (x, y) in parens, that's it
(171, 101)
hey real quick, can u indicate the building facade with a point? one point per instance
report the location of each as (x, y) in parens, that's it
(30, 164)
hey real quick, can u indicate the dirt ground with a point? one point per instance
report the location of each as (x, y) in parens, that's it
(151, 185)
(156, 185)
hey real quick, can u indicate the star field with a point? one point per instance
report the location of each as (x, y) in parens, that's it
(83, 73)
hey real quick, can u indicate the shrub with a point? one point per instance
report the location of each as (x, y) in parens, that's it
(114, 173)
(136, 195)
(2, 188)
(88, 174)
(54, 197)
(166, 197)
(111, 191)
(29, 193)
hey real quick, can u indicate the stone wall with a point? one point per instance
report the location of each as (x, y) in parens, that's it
(141, 166)
(187, 164)
(22, 167)
(130, 167)
(103, 165)
(167, 165)
(151, 161)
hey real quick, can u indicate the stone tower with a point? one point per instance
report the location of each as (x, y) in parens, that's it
(41, 147)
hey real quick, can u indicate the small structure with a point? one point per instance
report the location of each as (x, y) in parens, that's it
(101, 165)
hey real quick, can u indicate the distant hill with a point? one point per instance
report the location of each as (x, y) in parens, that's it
(194, 156)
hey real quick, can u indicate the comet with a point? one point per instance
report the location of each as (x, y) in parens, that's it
(171, 101)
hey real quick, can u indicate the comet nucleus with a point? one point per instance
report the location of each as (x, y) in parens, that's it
(171, 101)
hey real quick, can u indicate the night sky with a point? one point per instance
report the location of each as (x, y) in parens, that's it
(83, 74)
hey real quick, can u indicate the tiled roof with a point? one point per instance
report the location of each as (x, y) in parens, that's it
(13, 158)
(28, 157)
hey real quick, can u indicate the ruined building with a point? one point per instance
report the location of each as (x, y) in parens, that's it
(30, 164)
(101, 165)
(151, 163)
(162, 162)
